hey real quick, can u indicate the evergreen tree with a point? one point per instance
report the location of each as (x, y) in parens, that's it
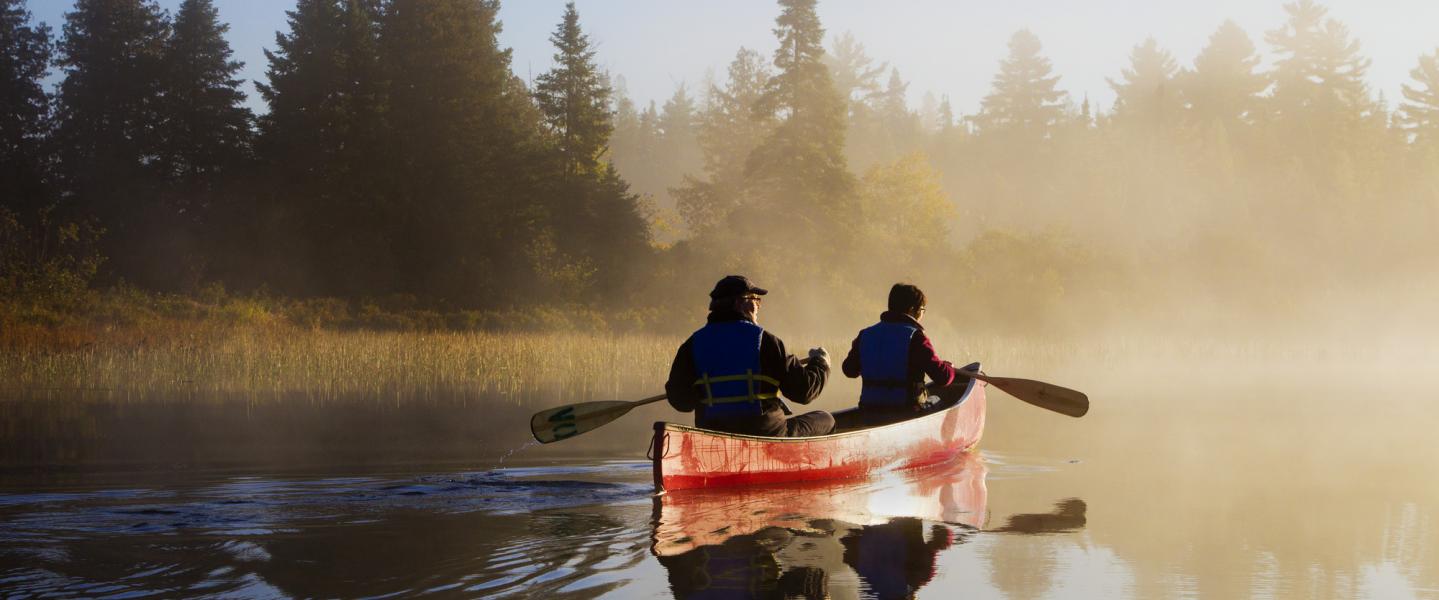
(1419, 113)
(596, 218)
(901, 122)
(206, 129)
(45, 258)
(1024, 99)
(467, 208)
(324, 141)
(729, 129)
(856, 77)
(1319, 75)
(25, 52)
(575, 98)
(1146, 98)
(799, 173)
(1224, 85)
(108, 115)
(679, 145)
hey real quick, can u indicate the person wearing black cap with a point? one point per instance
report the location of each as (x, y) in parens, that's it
(731, 371)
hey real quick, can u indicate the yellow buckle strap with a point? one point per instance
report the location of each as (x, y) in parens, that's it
(749, 377)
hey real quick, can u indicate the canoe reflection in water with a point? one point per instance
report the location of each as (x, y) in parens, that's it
(814, 540)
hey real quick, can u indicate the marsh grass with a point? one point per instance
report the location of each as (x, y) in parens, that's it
(273, 362)
(268, 360)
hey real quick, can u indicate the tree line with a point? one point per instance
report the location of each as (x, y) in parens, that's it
(400, 155)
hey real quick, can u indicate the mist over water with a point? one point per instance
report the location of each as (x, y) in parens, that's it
(1234, 260)
(1209, 477)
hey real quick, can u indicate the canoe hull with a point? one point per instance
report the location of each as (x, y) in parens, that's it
(689, 457)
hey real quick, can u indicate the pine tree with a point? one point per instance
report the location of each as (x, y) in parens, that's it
(206, 129)
(634, 146)
(799, 173)
(901, 122)
(596, 218)
(575, 98)
(108, 117)
(1024, 99)
(108, 106)
(679, 145)
(1319, 75)
(1419, 113)
(464, 136)
(25, 52)
(729, 129)
(1224, 85)
(304, 129)
(1146, 98)
(324, 141)
(856, 77)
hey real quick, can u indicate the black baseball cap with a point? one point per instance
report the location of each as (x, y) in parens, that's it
(735, 285)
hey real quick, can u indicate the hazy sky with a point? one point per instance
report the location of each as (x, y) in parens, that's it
(941, 46)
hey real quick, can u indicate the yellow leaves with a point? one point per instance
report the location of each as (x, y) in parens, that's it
(903, 205)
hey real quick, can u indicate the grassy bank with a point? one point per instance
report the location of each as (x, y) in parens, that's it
(124, 343)
(130, 346)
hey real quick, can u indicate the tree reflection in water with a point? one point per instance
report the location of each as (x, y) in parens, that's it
(812, 540)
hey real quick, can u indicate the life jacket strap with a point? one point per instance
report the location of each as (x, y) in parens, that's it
(749, 377)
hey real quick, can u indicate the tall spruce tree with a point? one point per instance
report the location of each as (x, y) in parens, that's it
(25, 52)
(1024, 100)
(45, 257)
(1419, 113)
(108, 115)
(729, 129)
(464, 134)
(575, 98)
(597, 220)
(799, 174)
(1224, 86)
(1146, 98)
(1319, 75)
(206, 129)
(323, 139)
(678, 143)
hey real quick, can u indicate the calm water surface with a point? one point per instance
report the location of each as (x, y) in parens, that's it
(1325, 490)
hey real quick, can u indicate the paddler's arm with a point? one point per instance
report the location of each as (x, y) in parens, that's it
(680, 388)
(923, 358)
(798, 382)
(850, 366)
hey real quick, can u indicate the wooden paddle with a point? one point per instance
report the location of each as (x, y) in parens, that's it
(571, 420)
(1044, 395)
(568, 421)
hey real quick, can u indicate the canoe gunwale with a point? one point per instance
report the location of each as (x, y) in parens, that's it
(705, 458)
(662, 426)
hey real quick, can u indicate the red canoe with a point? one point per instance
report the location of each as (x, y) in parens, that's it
(952, 493)
(689, 457)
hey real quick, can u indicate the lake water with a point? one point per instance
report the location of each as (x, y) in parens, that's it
(1233, 488)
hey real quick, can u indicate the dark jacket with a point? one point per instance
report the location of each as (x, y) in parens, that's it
(798, 382)
(922, 358)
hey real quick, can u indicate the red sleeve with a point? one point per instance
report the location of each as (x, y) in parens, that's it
(851, 362)
(923, 359)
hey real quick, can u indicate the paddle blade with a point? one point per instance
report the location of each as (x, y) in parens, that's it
(1044, 395)
(565, 422)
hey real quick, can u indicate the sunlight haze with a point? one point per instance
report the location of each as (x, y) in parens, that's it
(940, 47)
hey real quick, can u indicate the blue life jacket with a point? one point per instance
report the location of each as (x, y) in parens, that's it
(726, 357)
(884, 366)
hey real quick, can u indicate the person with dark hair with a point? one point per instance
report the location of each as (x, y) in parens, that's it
(893, 356)
(731, 372)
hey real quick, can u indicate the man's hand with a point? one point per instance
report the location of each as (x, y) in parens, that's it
(819, 355)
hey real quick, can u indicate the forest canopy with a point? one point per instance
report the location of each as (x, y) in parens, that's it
(400, 156)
